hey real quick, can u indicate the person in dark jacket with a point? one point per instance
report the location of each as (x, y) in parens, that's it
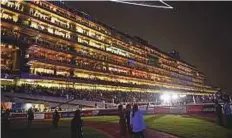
(5, 123)
(219, 113)
(30, 117)
(122, 121)
(76, 125)
(128, 113)
(56, 118)
(228, 114)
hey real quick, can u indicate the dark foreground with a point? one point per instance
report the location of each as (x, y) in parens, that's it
(43, 129)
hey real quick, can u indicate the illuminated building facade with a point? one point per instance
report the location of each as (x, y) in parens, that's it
(49, 44)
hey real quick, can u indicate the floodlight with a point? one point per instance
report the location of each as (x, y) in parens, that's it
(165, 97)
(174, 96)
(28, 105)
(182, 96)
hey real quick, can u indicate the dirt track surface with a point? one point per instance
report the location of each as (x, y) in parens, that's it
(43, 129)
(113, 130)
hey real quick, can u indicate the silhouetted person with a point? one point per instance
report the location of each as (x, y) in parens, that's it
(228, 114)
(106, 106)
(219, 113)
(128, 113)
(95, 105)
(122, 121)
(56, 118)
(76, 125)
(5, 121)
(30, 117)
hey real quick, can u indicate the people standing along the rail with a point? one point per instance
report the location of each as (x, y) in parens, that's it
(228, 114)
(128, 113)
(56, 118)
(122, 121)
(30, 117)
(219, 113)
(137, 121)
(76, 125)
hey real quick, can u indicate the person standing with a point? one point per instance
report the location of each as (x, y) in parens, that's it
(76, 125)
(137, 122)
(228, 114)
(30, 117)
(5, 123)
(56, 118)
(122, 121)
(219, 113)
(128, 113)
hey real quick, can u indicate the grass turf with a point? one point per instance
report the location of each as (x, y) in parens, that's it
(183, 126)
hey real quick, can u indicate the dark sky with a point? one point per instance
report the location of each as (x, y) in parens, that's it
(200, 31)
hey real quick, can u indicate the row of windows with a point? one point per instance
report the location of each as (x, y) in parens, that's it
(68, 14)
(83, 40)
(69, 26)
(157, 72)
(7, 56)
(5, 15)
(13, 4)
(58, 58)
(67, 35)
(118, 70)
(86, 75)
(84, 31)
(36, 13)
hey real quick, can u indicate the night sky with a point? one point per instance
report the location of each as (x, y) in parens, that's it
(200, 31)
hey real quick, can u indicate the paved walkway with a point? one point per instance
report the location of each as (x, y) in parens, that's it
(113, 130)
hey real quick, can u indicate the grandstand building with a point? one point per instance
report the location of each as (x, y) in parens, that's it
(49, 44)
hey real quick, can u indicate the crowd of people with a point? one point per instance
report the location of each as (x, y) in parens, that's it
(103, 95)
(83, 94)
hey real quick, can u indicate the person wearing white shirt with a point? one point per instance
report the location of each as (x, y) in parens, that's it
(137, 122)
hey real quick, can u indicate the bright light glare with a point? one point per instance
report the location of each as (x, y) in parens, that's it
(169, 97)
(165, 97)
(182, 96)
(174, 97)
(27, 106)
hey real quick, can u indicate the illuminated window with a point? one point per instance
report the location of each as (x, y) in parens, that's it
(92, 34)
(34, 25)
(63, 73)
(95, 44)
(41, 70)
(50, 30)
(79, 29)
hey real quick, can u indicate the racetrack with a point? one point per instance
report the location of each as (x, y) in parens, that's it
(92, 129)
(44, 129)
(107, 127)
